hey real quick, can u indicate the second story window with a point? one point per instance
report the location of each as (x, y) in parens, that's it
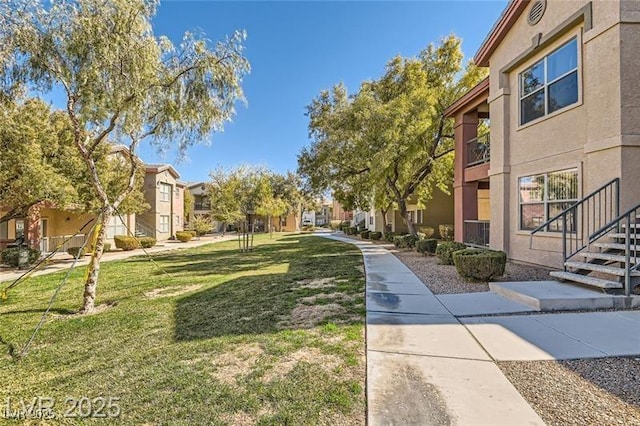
(165, 192)
(550, 84)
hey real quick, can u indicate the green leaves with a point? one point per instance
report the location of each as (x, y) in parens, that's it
(390, 140)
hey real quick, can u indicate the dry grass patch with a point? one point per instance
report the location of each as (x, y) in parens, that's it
(318, 283)
(230, 366)
(171, 291)
(308, 316)
(286, 364)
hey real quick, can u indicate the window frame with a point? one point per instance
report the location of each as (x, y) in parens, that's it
(164, 226)
(546, 84)
(165, 192)
(546, 202)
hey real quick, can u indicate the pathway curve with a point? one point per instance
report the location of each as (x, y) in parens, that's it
(423, 366)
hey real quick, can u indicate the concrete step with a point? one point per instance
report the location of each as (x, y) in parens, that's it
(623, 235)
(585, 279)
(612, 270)
(616, 246)
(556, 296)
(608, 256)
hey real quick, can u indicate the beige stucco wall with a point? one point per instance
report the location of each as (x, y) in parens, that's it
(588, 135)
(484, 204)
(174, 207)
(437, 211)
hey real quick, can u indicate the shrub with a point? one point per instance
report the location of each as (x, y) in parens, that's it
(19, 256)
(365, 235)
(398, 241)
(201, 225)
(106, 247)
(479, 265)
(389, 236)
(184, 236)
(192, 232)
(446, 249)
(411, 240)
(75, 251)
(428, 245)
(375, 236)
(308, 228)
(147, 242)
(125, 242)
(446, 232)
(352, 230)
(428, 231)
(335, 224)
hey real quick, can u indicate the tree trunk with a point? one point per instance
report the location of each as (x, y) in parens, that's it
(94, 265)
(407, 218)
(384, 221)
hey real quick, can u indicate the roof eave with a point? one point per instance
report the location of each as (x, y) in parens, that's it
(506, 21)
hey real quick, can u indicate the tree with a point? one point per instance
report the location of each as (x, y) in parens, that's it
(391, 139)
(120, 82)
(237, 194)
(189, 202)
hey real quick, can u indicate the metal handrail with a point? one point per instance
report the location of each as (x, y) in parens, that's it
(482, 157)
(590, 213)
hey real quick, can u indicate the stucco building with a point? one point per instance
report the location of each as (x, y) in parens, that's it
(164, 193)
(563, 101)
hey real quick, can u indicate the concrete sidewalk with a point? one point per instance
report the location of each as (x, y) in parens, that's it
(423, 365)
(66, 261)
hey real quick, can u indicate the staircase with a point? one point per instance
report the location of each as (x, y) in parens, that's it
(601, 247)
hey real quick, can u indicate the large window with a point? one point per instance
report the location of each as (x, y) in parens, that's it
(115, 227)
(165, 192)
(544, 196)
(550, 84)
(164, 223)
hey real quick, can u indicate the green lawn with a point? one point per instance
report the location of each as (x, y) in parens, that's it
(275, 336)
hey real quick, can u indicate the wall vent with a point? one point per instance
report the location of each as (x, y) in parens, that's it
(536, 11)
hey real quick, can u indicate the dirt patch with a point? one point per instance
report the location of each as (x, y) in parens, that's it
(337, 297)
(310, 355)
(171, 291)
(318, 283)
(229, 367)
(308, 316)
(98, 309)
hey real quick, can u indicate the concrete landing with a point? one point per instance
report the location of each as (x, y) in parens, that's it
(482, 303)
(555, 296)
(558, 336)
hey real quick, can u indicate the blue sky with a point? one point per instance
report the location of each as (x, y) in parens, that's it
(296, 49)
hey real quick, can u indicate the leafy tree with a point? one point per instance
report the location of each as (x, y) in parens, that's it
(121, 82)
(391, 139)
(189, 202)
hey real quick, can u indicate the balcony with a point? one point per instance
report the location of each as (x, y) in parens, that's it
(476, 232)
(478, 150)
(202, 206)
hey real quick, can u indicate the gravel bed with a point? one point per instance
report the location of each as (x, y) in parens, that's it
(600, 391)
(443, 279)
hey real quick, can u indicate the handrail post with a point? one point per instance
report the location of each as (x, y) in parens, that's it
(564, 242)
(627, 260)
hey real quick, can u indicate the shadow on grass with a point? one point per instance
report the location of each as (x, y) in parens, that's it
(256, 304)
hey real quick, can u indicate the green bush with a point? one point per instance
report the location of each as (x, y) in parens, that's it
(375, 236)
(352, 230)
(428, 231)
(73, 251)
(398, 241)
(428, 245)
(389, 236)
(106, 247)
(479, 265)
(335, 224)
(446, 249)
(147, 242)
(446, 232)
(125, 242)
(191, 231)
(184, 236)
(365, 235)
(11, 256)
(308, 228)
(411, 240)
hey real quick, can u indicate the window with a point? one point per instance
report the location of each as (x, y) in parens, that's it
(550, 84)
(177, 222)
(412, 216)
(420, 216)
(177, 193)
(115, 227)
(370, 219)
(544, 196)
(165, 192)
(164, 223)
